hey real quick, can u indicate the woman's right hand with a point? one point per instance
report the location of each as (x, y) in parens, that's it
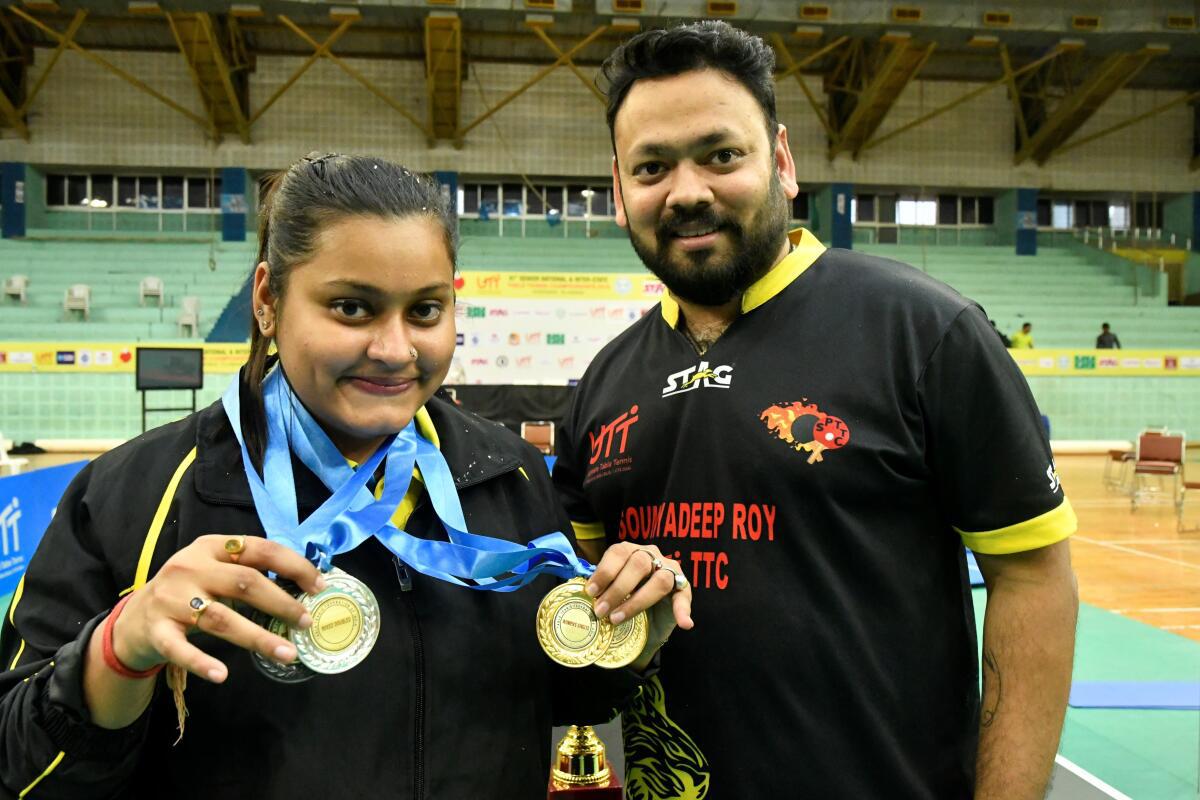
(154, 625)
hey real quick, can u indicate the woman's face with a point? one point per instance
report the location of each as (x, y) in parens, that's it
(346, 328)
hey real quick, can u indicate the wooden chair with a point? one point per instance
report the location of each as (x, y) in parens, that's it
(1181, 526)
(1158, 456)
(540, 434)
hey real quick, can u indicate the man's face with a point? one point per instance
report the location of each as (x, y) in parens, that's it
(705, 197)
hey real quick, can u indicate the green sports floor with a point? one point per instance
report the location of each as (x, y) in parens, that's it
(1148, 755)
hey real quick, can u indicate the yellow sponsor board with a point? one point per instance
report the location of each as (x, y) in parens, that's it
(107, 357)
(1109, 363)
(474, 286)
(121, 357)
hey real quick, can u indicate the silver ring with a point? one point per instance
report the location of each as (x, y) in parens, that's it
(681, 582)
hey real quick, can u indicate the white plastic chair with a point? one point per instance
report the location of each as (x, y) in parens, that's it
(16, 286)
(9, 466)
(78, 298)
(150, 287)
(189, 315)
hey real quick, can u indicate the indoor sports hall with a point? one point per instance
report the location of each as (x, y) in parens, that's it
(1041, 158)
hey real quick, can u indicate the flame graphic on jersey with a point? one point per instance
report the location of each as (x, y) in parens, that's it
(828, 432)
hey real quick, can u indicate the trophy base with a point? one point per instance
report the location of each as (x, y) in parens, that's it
(609, 790)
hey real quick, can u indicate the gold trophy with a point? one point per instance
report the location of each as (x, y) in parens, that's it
(580, 770)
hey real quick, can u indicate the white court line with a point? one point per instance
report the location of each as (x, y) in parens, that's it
(1131, 551)
(1189, 542)
(1179, 627)
(1088, 778)
(1155, 610)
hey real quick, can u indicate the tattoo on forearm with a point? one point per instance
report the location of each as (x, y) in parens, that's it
(992, 684)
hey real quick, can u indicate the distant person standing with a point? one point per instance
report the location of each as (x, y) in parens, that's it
(1023, 339)
(1107, 340)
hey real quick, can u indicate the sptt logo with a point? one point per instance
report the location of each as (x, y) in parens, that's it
(10, 534)
(602, 443)
(701, 376)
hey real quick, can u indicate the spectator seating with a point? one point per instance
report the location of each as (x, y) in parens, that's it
(150, 287)
(115, 269)
(78, 297)
(189, 316)
(17, 286)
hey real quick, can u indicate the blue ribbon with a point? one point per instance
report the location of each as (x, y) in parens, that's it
(352, 514)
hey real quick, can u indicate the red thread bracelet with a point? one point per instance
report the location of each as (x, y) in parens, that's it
(110, 655)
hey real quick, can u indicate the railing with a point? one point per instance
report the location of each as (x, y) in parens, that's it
(1138, 238)
(1148, 278)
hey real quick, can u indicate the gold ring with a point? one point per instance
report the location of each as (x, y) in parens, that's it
(234, 546)
(198, 605)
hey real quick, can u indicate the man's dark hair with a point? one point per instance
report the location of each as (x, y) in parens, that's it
(708, 44)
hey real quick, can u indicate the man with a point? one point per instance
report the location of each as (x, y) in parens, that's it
(813, 434)
(1023, 339)
(1107, 340)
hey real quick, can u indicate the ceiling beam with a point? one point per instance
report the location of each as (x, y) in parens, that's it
(1079, 104)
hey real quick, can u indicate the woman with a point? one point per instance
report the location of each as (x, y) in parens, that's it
(158, 553)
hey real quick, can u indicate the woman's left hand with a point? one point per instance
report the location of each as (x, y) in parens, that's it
(630, 579)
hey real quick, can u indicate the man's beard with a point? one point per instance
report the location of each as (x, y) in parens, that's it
(709, 280)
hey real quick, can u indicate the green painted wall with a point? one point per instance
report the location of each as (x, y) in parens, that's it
(50, 406)
(1005, 218)
(1177, 218)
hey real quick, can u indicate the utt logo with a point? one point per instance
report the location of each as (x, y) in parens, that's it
(490, 282)
(10, 535)
(828, 432)
(700, 376)
(1052, 476)
(601, 443)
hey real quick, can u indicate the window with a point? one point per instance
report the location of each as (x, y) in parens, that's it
(514, 203)
(602, 201)
(1118, 215)
(800, 206)
(968, 216)
(214, 199)
(863, 209)
(987, 211)
(489, 198)
(1148, 214)
(127, 196)
(468, 198)
(1045, 213)
(147, 193)
(913, 211)
(533, 200)
(576, 201)
(947, 209)
(885, 208)
(1062, 215)
(102, 191)
(56, 190)
(197, 193)
(172, 191)
(77, 190)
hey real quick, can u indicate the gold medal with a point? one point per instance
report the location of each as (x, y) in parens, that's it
(345, 625)
(628, 642)
(567, 626)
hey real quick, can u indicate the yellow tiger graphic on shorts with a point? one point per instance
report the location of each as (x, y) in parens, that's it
(661, 761)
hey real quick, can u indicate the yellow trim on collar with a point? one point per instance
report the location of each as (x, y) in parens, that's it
(806, 250)
(587, 530)
(1041, 531)
(425, 426)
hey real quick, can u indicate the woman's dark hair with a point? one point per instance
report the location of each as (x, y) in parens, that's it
(299, 203)
(708, 44)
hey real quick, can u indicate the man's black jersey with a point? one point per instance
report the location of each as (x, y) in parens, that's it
(817, 472)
